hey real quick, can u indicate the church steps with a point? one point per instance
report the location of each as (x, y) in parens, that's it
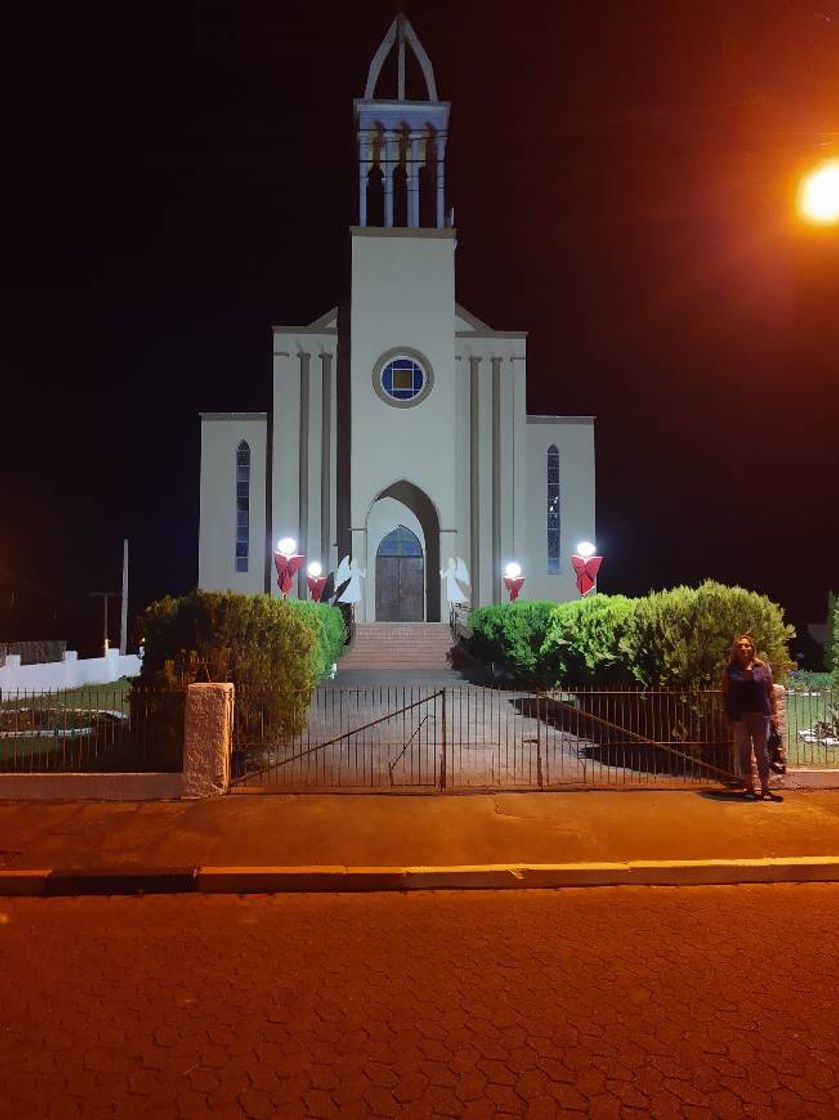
(383, 645)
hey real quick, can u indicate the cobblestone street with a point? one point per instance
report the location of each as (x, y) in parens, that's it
(622, 1003)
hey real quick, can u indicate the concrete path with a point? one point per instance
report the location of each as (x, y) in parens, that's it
(373, 842)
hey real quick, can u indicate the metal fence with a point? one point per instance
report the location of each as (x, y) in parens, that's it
(812, 723)
(472, 737)
(100, 729)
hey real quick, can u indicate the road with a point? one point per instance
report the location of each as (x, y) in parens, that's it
(613, 1003)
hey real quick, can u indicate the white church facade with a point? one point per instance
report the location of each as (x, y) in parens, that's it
(399, 434)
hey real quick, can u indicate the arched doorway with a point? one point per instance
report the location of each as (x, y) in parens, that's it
(400, 577)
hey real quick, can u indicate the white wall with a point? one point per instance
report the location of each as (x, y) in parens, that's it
(221, 434)
(574, 437)
(69, 673)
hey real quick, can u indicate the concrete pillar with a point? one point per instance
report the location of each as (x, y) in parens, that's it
(208, 740)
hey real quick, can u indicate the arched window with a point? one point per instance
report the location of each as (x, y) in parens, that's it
(243, 505)
(553, 509)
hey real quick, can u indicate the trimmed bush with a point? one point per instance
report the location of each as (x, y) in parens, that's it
(683, 636)
(330, 633)
(678, 637)
(269, 648)
(586, 642)
(510, 637)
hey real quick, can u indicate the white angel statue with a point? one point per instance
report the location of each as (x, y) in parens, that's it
(456, 575)
(349, 573)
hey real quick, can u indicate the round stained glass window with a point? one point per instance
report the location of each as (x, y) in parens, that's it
(402, 377)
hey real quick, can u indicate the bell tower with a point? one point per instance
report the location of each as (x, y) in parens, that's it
(401, 142)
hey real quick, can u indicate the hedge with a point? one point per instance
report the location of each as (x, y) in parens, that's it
(275, 651)
(677, 637)
(510, 638)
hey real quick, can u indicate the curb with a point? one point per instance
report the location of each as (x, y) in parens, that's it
(275, 880)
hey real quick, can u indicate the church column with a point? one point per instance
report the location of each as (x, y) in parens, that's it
(314, 520)
(474, 482)
(520, 536)
(495, 364)
(389, 163)
(503, 377)
(326, 460)
(286, 458)
(413, 179)
(303, 471)
(440, 173)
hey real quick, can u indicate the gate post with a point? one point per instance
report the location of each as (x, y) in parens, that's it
(208, 740)
(443, 775)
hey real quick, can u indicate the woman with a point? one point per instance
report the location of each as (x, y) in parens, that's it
(749, 699)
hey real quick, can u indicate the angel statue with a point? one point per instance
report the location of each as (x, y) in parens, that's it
(350, 575)
(456, 575)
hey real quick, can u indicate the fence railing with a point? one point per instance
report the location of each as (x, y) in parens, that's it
(89, 730)
(476, 737)
(812, 727)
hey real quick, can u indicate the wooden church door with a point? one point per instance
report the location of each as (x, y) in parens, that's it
(400, 570)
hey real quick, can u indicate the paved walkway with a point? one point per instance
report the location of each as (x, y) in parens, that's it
(401, 842)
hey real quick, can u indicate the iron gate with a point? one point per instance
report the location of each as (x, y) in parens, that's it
(472, 737)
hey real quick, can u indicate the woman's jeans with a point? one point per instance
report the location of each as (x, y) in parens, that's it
(753, 729)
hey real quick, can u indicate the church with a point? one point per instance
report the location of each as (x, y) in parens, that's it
(398, 438)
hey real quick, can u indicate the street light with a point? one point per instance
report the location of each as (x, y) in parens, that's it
(586, 566)
(818, 194)
(287, 561)
(513, 580)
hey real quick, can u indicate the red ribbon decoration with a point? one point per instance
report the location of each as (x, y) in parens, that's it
(287, 567)
(514, 586)
(316, 585)
(586, 570)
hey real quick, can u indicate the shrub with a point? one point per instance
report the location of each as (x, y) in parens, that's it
(327, 622)
(267, 647)
(586, 641)
(683, 636)
(510, 637)
(806, 680)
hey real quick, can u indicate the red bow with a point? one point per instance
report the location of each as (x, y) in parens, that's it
(287, 567)
(514, 586)
(586, 570)
(316, 586)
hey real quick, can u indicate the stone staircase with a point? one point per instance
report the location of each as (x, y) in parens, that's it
(399, 645)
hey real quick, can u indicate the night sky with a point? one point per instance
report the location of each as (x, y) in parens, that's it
(177, 178)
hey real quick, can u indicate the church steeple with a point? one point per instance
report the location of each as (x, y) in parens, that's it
(401, 143)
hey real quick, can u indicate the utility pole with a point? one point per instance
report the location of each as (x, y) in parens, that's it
(123, 618)
(105, 596)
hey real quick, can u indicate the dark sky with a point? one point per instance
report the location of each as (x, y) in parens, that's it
(178, 178)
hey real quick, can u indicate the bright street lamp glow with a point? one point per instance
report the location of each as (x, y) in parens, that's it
(585, 549)
(314, 569)
(818, 194)
(287, 546)
(513, 570)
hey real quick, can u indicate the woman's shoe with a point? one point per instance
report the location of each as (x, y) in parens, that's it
(749, 795)
(768, 795)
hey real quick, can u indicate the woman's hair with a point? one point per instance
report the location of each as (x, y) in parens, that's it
(732, 657)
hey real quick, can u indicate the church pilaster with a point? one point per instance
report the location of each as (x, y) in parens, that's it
(440, 172)
(389, 165)
(326, 461)
(303, 470)
(495, 365)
